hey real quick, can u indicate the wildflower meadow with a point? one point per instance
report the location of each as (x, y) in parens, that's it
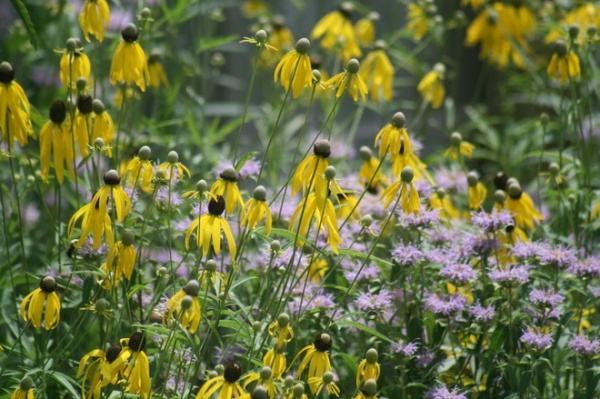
(297, 199)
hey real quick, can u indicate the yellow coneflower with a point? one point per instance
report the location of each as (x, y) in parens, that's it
(368, 368)
(257, 209)
(281, 37)
(564, 64)
(475, 4)
(101, 371)
(137, 370)
(94, 19)
(316, 384)
(404, 159)
(442, 201)
(477, 191)
(349, 79)
(521, 205)
(458, 147)
(316, 357)
(32, 306)
(56, 140)
(173, 164)
(210, 277)
(156, 72)
(140, 169)
(365, 28)
(367, 391)
(119, 261)
(378, 73)
(265, 379)
(294, 69)
(25, 389)
(337, 32)
(96, 220)
(370, 174)
(409, 197)
(82, 127)
(129, 61)
(583, 15)
(418, 19)
(275, 358)
(184, 306)
(431, 86)
(74, 64)
(310, 172)
(392, 137)
(208, 229)
(227, 384)
(103, 126)
(281, 330)
(325, 218)
(15, 123)
(227, 187)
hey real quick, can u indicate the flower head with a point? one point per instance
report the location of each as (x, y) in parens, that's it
(349, 79)
(103, 125)
(405, 188)
(377, 72)
(337, 32)
(129, 62)
(56, 139)
(184, 306)
(458, 147)
(94, 19)
(393, 137)
(156, 72)
(368, 368)
(431, 86)
(310, 172)
(32, 306)
(139, 169)
(137, 369)
(294, 69)
(15, 123)
(208, 228)
(119, 262)
(74, 63)
(25, 389)
(536, 340)
(227, 384)
(102, 369)
(365, 28)
(316, 357)
(227, 187)
(257, 209)
(564, 64)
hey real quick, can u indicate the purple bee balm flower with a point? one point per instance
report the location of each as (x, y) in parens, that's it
(473, 244)
(528, 250)
(407, 255)
(444, 305)
(459, 273)
(425, 358)
(451, 180)
(537, 340)
(444, 393)
(424, 188)
(482, 314)
(586, 269)
(582, 345)
(406, 350)
(512, 277)
(491, 222)
(374, 303)
(353, 271)
(425, 218)
(560, 257)
(545, 298)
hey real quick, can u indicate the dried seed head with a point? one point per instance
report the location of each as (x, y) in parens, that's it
(322, 148)
(48, 284)
(137, 341)
(112, 178)
(58, 112)
(130, 33)
(85, 104)
(233, 372)
(216, 207)
(113, 352)
(7, 73)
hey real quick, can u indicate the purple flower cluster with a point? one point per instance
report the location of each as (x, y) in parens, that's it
(425, 218)
(374, 303)
(491, 222)
(582, 345)
(545, 298)
(459, 273)
(445, 305)
(482, 314)
(407, 255)
(406, 350)
(512, 277)
(444, 393)
(587, 269)
(560, 257)
(536, 340)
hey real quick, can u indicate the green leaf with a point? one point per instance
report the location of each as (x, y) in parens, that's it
(240, 164)
(364, 328)
(24, 14)
(65, 382)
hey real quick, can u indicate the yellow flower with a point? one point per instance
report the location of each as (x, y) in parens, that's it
(119, 261)
(257, 209)
(281, 38)
(441, 201)
(281, 330)
(74, 64)
(378, 73)
(137, 370)
(253, 8)
(564, 64)
(417, 21)
(129, 61)
(365, 29)
(25, 389)
(310, 172)
(96, 220)
(14, 108)
(172, 165)
(82, 128)
(32, 306)
(316, 357)
(259, 39)
(368, 368)
(583, 15)
(94, 19)
(458, 147)
(275, 358)
(294, 69)
(209, 277)
(405, 159)
(475, 4)
(185, 307)
(316, 384)
(227, 384)
(325, 218)
(101, 371)
(156, 72)
(264, 379)
(431, 86)
(522, 207)
(393, 137)
(477, 191)
(103, 126)
(337, 32)
(227, 187)
(409, 197)
(368, 390)
(56, 139)
(350, 79)
(208, 229)
(140, 169)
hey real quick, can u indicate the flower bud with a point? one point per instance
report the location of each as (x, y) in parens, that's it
(500, 197)
(260, 193)
(220, 369)
(303, 45)
(372, 356)
(472, 178)
(544, 119)
(407, 174)
(187, 302)
(283, 320)
(172, 157)
(256, 326)
(146, 13)
(316, 75)
(102, 305)
(210, 266)
(330, 173)
(554, 169)
(573, 31)
(192, 288)
(260, 36)
(127, 237)
(398, 120)
(456, 139)
(81, 83)
(370, 387)
(265, 373)
(353, 65)
(366, 221)
(298, 390)
(26, 383)
(288, 382)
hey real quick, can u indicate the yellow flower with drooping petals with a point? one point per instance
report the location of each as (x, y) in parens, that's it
(458, 147)
(140, 169)
(15, 123)
(156, 72)
(316, 384)
(349, 79)
(56, 139)
(137, 371)
(94, 19)
(365, 28)
(275, 358)
(208, 228)
(281, 330)
(316, 357)
(101, 371)
(82, 128)
(173, 165)
(310, 173)
(583, 16)
(227, 187)
(294, 69)
(441, 201)
(393, 137)
(25, 390)
(431, 86)
(409, 197)
(257, 209)
(129, 62)
(564, 64)
(520, 204)
(184, 306)
(337, 32)
(368, 368)
(370, 175)
(74, 64)
(227, 384)
(477, 191)
(377, 72)
(32, 306)
(418, 21)
(119, 261)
